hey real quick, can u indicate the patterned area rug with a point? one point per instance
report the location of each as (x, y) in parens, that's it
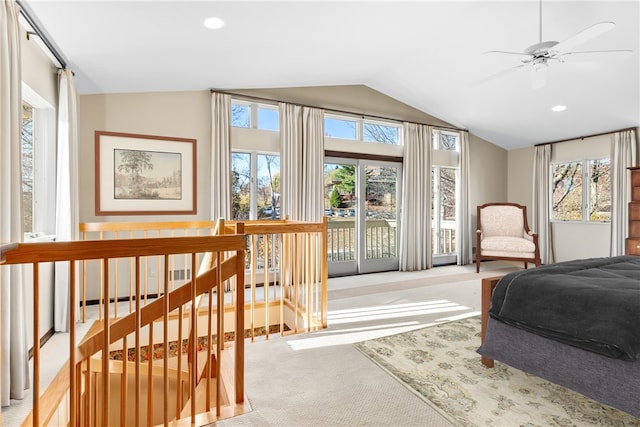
(440, 365)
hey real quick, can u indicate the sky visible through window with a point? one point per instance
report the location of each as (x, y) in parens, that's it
(269, 119)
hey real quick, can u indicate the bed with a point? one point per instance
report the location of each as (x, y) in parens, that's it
(575, 323)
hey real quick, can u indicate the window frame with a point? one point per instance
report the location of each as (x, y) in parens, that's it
(254, 109)
(586, 191)
(360, 123)
(253, 179)
(436, 139)
(44, 164)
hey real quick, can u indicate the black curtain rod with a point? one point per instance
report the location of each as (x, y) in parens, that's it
(38, 32)
(584, 137)
(332, 110)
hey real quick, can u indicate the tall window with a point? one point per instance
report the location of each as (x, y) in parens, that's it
(444, 179)
(38, 158)
(582, 191)
(255, 185)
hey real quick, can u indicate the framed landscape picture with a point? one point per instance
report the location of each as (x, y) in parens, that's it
(144, 174)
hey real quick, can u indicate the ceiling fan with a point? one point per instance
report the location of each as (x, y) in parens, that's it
(538, 56)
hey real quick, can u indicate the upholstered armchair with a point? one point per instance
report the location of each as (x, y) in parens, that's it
(503, 233)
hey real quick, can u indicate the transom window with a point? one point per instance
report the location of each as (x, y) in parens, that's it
(361, 129)
(254, 115)
(447, 141)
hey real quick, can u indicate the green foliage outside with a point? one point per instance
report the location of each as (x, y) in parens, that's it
(334, 198)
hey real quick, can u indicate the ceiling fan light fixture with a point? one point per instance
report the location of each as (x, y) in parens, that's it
(539, 74)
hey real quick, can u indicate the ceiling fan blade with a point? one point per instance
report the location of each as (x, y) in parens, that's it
(506, 53)
(583, 36)
(499, 74)
(591, 55)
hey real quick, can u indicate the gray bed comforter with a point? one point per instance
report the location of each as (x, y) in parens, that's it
(593, 304)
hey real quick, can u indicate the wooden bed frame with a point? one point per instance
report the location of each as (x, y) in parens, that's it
(618, 380)
(488, 285)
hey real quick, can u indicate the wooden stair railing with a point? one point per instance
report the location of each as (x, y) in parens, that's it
(114, 330)
(294, 251)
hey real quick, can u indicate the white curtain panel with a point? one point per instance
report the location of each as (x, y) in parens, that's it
(301, 171)
(624, 153)
(14, 375)
(542, 202)
(301, 162)
(464, 240)
(415, 223)
(67, 205)
(220, 156)
(312, 179)
(290, 163)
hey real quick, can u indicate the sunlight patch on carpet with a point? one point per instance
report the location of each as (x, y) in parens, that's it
(392, 311)
(440, 365)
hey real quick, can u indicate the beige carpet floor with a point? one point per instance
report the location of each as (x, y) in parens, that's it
(320, 379)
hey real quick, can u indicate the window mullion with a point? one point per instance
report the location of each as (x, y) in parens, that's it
(253, 197)
(253, 121)
(585, 191)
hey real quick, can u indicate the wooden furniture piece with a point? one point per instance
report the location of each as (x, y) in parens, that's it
(488, 285)
(503, 233)
(633, 239)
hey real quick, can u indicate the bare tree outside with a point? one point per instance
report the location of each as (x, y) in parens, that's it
(269, 186)
(600, 191)
(240, 115)
(381, 133)
(27, 167)
(567, 191)
(448, 141)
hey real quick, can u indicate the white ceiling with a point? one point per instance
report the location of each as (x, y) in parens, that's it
(427, 54)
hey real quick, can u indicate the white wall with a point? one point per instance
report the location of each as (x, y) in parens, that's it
(488, 164)
(173, 114)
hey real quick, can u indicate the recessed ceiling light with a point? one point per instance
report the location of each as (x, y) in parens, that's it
(214, 23)
(559, 108)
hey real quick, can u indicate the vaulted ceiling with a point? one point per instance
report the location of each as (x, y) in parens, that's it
(430, 55)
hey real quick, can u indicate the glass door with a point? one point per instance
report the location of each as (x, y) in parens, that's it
(361, 203)
(379, 219)
(340, 209)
